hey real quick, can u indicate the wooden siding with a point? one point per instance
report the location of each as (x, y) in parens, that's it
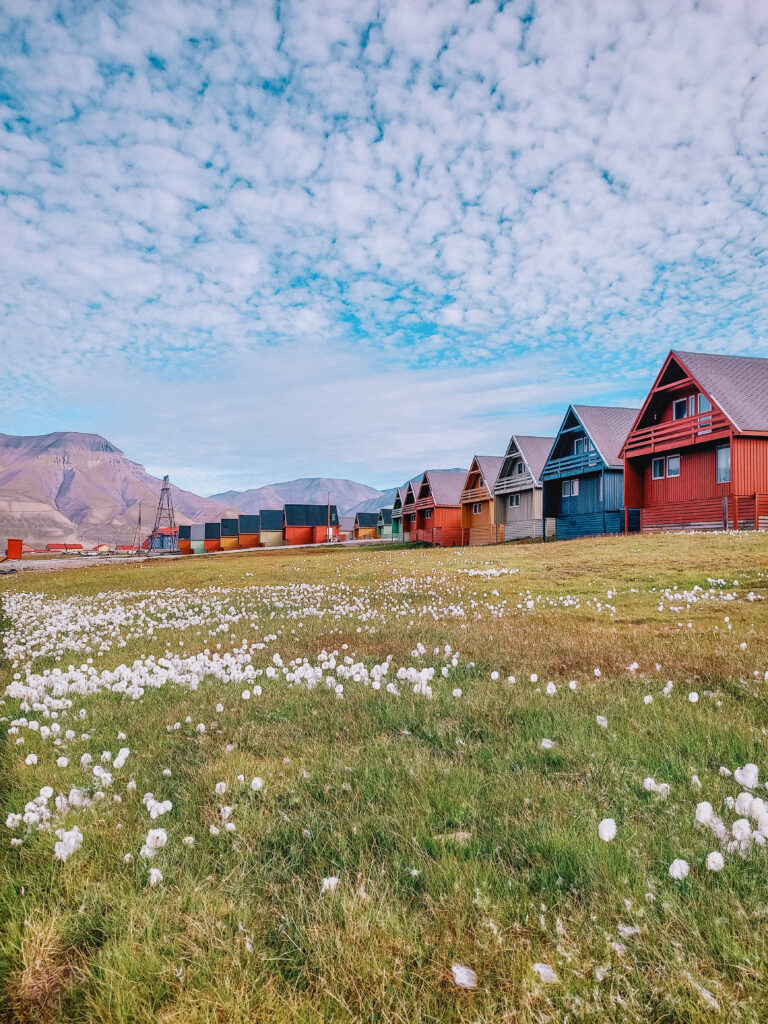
(363, 532)
(589, 524)
(524, 529)
(271, 538)
(447, 519)
(594, 496)
(749, 465)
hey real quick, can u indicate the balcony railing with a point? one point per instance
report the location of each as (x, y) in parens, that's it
(572, 465)
(704, 426)
(475, 494)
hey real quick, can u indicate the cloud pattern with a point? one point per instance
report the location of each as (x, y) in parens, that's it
(280, 210)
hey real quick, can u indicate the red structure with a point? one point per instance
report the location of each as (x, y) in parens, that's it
(697, 455)
(310, 524)
(14, 548)
(409, 528)
(438, 508)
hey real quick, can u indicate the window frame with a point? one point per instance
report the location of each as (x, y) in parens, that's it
(514, 500)
(654, 462)
(427, 513)
(673, 476)
(722, 448)
(520, 468)
(675, 405)
(477, 508)
(565, 488)
(578, 446)
(703, 398)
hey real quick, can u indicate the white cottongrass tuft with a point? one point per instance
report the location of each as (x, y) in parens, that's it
(547, 744)
(747, 776)
(257, 784)
(602, 721)
(715, 861)
(551, 689)
(155, 876)
(220, 788)
(693, 697)
(679, 869)
(69, 842)
(457, 692)
(463, 977)
(607, 830)
(330, 884)
(546, 973)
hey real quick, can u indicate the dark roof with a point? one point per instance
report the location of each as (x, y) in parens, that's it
(737, 384)
(385, 515)
(310, 515)
(607, 426)
(252, 523)
(366, 519)
(534, 451)
(445, 485)
(271, 518)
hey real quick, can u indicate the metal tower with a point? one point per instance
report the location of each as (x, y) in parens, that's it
(164, 517)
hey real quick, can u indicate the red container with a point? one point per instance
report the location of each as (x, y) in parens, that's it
(13, 549)
(212, 545)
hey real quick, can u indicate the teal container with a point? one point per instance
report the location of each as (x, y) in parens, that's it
(198, 547)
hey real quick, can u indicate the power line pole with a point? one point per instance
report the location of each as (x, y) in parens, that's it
(137, 534)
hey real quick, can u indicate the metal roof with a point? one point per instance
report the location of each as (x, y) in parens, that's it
(607, 426)
(445, 486)
(366, 519)
(490, 467)
(534, 451)
(737, 384)
(310, 515)
(385, 515)
(271, 518)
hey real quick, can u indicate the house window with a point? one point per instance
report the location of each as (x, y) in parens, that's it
(427, 513)
(578, 446)
(482, 483)
(673, 465)
(724, 464)
(692, 405)
(704, 404)
(680, 409)
(570, 488)
(514, 501)
(520, 469)
(657, 469)
(477, 508)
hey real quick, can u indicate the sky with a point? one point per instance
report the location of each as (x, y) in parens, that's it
(251, 241)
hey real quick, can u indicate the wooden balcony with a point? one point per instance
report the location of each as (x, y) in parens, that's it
(572, 465)
(663, 437)
(475, 494)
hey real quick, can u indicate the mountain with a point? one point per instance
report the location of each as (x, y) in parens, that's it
(68, 487)
(345, 494)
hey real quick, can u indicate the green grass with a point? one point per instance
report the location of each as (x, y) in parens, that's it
(379, 790)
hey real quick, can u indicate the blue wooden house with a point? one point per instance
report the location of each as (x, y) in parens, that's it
(583, 476)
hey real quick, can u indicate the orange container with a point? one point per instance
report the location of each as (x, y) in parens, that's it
(14, 548)
(248, 540)
(185, 547)
(229, 544)
(212, 545)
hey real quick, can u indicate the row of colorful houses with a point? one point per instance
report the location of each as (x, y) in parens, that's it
(694, 456)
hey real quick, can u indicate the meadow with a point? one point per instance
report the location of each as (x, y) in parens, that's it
(512, 784)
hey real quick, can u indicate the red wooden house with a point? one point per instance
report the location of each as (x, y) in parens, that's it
(438, 507)
(697, 455)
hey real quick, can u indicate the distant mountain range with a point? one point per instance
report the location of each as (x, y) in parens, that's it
(345, 494)
(70, 488)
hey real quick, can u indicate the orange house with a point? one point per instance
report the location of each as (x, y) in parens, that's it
(478, 508)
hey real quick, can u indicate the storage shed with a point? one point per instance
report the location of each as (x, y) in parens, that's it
(310, 524)
(518, 491)
(230, 532)
(696, 457)
(271, 527)
(478, 509)
(248, 531)
(366, 524)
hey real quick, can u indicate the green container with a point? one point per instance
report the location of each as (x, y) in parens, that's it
(198, 547)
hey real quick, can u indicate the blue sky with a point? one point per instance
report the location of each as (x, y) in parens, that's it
(252, 241)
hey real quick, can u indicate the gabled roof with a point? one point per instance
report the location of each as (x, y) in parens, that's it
(534, 451)
(310, 515)
(607, 426)
(366, 520)
(490, 467)
(445, 486)
(737, 384)
(410, 493)
(384, 517)
(347, 523)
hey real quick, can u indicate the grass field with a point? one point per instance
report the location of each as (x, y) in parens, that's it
(393, 704)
